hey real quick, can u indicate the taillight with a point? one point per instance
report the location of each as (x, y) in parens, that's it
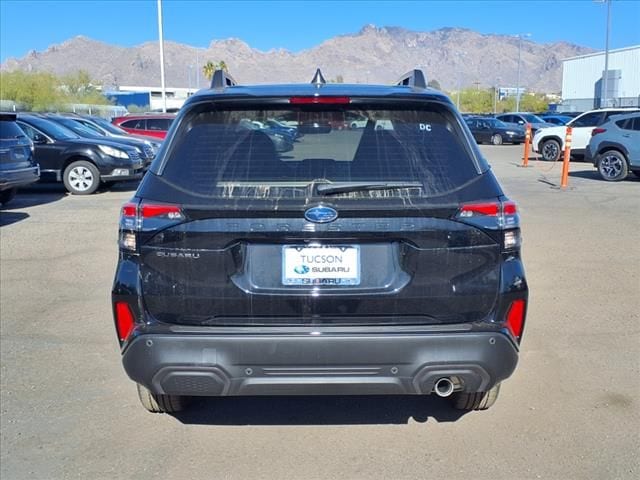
(151, 210)
(124, 320)
(515, 318)
(320, 100)
(494, 215)
(144, 216)
(596, 131)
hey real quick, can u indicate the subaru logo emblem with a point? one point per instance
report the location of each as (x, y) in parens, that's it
(321, 214)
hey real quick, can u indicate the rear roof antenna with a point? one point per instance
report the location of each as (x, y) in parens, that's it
(318, 78)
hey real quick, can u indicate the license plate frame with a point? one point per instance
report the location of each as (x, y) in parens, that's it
(332, 275)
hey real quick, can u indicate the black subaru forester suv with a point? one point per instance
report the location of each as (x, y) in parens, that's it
(377, 260)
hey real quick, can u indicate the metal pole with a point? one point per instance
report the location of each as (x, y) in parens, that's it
(197, 70)
(603, 102)
(161, 40)
(495, 97)
(189, 89)
(518, 82)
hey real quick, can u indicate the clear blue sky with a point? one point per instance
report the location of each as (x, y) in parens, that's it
(297, 25)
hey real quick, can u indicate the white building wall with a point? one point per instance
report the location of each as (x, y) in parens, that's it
(581, 74)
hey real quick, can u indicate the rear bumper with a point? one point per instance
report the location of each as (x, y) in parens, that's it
(317, 364)
(19, 177)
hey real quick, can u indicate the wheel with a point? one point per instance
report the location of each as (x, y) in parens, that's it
(550, 150)
(81, 178)
(613, 166)
(156, 403)
(7, 195)
(496, 139)
(354, 126)
(476, 400)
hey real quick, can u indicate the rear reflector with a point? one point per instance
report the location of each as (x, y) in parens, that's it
(515, 317)
(124, 320)
(319, 100)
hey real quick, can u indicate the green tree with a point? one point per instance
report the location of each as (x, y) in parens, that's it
(210, 67)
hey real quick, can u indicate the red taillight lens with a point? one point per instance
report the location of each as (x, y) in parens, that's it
(470, 209)
(515, 318)
(150, 210)
(129, 210)
(509, 208)
(319, 100)
(124, 320)
(596, 131)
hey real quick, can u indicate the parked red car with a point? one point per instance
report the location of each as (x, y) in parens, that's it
(150, 125)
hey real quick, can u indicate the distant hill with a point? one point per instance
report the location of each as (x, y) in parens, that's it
(376, 55)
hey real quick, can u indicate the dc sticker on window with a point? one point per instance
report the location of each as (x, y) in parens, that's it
(425, 127)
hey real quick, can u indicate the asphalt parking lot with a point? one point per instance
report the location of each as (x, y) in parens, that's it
(571, 410)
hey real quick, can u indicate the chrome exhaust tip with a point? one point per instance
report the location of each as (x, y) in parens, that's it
(443, 387)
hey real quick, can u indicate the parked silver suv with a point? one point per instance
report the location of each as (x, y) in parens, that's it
(614, 148)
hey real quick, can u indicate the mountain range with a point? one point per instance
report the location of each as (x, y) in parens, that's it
(452, 56)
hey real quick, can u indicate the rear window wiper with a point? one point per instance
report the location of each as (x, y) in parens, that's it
(331, 188)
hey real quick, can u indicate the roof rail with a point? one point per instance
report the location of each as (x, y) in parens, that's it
(222, 79)
(413, 78)
(318, 78)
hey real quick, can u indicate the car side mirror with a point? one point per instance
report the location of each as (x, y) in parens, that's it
(520, 122)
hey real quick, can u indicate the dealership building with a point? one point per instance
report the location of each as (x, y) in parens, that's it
(582, 80)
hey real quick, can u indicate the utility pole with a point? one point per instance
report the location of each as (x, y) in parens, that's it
(161, 40)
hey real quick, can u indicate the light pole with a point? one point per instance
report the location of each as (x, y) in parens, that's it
(189, 89)
(161, 40)
(520, 35)
(495, 95)
(603, 102)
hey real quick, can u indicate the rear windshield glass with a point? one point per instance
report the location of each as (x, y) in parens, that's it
(279, 153)
(10, 130)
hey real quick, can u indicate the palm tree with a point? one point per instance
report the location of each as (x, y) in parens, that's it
(222, 65)
(208, 69)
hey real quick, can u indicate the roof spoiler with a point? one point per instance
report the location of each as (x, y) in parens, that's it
(413, 78)
(222, 79)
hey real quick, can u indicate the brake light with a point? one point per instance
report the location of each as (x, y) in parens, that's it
(129, 209)
(124, 320)
(319, 100)
(596, 131)
(136, 217)
(515, 318)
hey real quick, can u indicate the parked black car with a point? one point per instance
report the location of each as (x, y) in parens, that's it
(491, 130)
(17, 166)
(145, 150)
(80, 163)
(108, 129)
(368, 261)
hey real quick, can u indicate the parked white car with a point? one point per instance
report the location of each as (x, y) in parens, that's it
(549, 142)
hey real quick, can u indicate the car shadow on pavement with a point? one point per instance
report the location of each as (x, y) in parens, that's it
(7, 218)
(28, 197)
(318, 410)
(594, 175)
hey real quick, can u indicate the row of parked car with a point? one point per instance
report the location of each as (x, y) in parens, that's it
(609, 138)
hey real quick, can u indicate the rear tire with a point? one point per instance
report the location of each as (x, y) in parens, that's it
(613, 166)
(157, 403)
(476, 400)
(7, 195)
(81, 178)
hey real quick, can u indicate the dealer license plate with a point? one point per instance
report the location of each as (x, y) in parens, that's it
(321, 265)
